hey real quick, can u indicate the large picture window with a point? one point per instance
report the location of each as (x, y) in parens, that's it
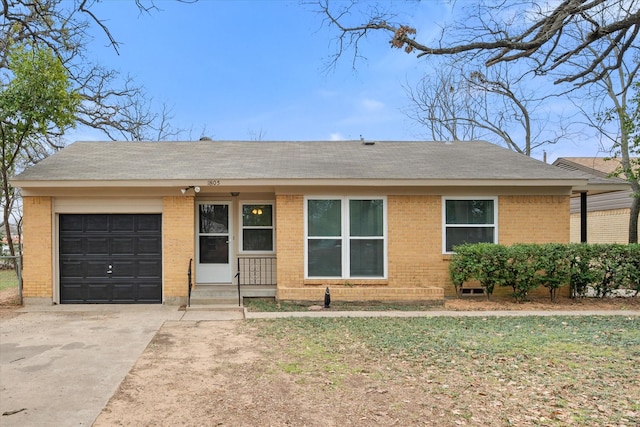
(257, 227)
(346, 237)
(469, 221)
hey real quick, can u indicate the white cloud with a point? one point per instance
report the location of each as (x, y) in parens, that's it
(336, 136)
(371, 104)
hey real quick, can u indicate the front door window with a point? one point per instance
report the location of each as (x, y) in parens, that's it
(214, 243)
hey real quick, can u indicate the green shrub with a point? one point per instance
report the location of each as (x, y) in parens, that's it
(553, 269)
(462, 266)
(484, 262)
(524, 267)
(630, 270)
(581, 275)
(521, 269)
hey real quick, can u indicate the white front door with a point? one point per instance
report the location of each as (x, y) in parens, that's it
(214, 242)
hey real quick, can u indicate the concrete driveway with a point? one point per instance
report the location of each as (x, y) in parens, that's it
(60, 365)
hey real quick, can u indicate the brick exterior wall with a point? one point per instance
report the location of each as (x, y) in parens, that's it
(37, 277)
(290, 240)
(417, 268)
(178, 234)
(178, 237)
(610, 226)
(533, 219)
(415, 242)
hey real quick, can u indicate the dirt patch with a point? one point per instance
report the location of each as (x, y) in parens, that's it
(9, 303)
(228, 374)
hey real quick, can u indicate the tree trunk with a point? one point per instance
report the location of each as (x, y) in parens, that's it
(6, 211)
(633, 219)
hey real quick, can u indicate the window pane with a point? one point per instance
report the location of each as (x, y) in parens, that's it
(256, 215)
(214, 219)
(367, 258)
(257, 239)
(325, 258)
(324, 218)
(459, 235)
(469, 211)
(214, 250)
(365, 217)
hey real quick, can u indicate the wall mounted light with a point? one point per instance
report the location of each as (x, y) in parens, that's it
(195, 189)
(256, 211)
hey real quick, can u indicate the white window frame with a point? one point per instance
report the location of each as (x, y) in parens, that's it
(444, 218)
(345, 237)
(244, 203)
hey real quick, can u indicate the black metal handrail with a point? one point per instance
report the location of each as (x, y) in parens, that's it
(259, 270)
(190, 283)
(255, 271)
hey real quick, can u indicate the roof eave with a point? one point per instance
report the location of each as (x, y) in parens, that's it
(575, 184)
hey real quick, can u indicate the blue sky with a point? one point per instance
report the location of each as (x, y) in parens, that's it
(241, 70)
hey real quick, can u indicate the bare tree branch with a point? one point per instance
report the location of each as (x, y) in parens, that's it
(539, 35)
(462, 104)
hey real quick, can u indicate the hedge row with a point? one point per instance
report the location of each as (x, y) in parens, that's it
(524, 267)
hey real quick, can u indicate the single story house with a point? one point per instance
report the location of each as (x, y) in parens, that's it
(607, 213)
(125, 222)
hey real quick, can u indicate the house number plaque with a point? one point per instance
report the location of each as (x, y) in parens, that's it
(213, 182)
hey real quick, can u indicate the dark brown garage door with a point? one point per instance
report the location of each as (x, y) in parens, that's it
(110, 258)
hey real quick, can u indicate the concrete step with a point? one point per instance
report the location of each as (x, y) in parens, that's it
(214, 301)
(214, 295)
(216, 307)
(229, 293)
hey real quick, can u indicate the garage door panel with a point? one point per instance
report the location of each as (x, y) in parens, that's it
(71, 223)
(96, 246)
(72, 270)
(95, 269)
(124, 292)
(146, 292)
(123, 224)
(96, 223)
(149, 246)
(98, 293)
(123, 269)
(71, 246)
(150, 269)
(110, 258)
(73, 292)
(123, 246)
(149, 223)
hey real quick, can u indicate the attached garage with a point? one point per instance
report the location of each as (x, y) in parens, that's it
(110, 258)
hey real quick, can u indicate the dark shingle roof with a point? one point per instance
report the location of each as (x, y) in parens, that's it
(118, 161)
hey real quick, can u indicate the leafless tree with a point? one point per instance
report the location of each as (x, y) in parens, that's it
(460, 102)
(507, 31)
(112, 103)
(610, 105)
(441, 103)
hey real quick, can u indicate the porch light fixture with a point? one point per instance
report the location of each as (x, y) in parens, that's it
(256, 211)
(195, 189)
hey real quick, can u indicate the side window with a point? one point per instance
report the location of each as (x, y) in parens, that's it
(346, 237)
(257, 227)
(469, 221)
(324, 238)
